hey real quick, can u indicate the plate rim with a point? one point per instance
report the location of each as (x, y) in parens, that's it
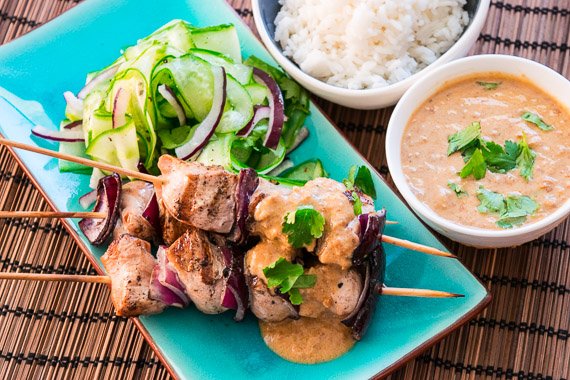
(413, 353)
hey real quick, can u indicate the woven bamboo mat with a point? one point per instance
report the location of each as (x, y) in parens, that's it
(59, 330)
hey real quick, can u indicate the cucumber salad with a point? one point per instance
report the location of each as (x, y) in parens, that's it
(185, 91)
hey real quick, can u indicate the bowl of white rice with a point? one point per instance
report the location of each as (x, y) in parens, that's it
(366, 53)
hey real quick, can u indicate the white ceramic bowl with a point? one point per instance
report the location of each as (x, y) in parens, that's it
(264, 13)
(547, 79)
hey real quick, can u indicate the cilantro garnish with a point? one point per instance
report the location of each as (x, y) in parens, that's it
(464, 138)
(536, 120)
(512, 210)
(525, 159)
(356, 203)
(361, 178)
(481, 155)
(476, 166)
(303, 226)
(457, 189)
(499, 159)
(489, 85)
(289, 278)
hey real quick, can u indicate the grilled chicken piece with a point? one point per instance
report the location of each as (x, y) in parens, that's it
(336, 292)
(201, 196)
(264, 303)
(129, 264)
(200, 265)
(135, 196)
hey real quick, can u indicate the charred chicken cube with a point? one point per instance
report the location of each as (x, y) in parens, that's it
(129, 263)
(201, 196)
(135, 197)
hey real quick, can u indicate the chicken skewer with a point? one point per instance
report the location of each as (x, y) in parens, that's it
(160, 180)
(47, 277)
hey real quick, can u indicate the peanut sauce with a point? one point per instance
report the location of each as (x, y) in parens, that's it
(307, 340)
(428, 169)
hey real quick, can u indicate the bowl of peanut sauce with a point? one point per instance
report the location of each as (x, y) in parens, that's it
(480, 150)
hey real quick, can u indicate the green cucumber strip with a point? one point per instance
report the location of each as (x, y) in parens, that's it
(117, 146)
(289, 182)
(193, 79)
(175, 34)
(217, 152)
(220, 38)
(257, 92)
(244, 154)
(305, 171)
(239, 108)
(75, 149)
(242, 73)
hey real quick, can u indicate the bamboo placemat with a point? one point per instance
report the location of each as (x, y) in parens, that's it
(63, 330)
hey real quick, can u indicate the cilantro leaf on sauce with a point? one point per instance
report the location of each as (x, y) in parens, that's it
(536, 120)
(289, 278)
(499, 159)
(303, 226)
(476, 166)
(489, 85)
(361, 178)
(457, 189)
(462, 139)
(512, 210)
(525, 159)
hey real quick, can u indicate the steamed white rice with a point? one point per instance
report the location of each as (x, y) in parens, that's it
(361, 44)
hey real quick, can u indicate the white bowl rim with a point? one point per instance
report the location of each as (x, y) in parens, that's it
(394, 163)
(472, 31)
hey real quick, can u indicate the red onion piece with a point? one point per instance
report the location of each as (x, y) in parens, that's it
(73, 124)
(236, 296)
(100, 78)
(247, 184)
(370, 262)
(120, 106)
(88, 199)
(276, 104)
(98, 231)
(207, 127)
(141, 168)
(75, 105)
(63, 136)
(259, 114)
(165, 285)
(171, 98)
(152, 214)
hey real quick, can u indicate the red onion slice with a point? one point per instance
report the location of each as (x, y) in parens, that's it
(276, 104)
(75, 105)
(73, 124)
(152, 214)
(63, 136)
(171, 98)
(247, 184)
(208, 126)
(88, 199)
(370, 262)
(108, 201)
(120, 106)
(236, 295)
(260, 114)
(165, 285)
(97, 80)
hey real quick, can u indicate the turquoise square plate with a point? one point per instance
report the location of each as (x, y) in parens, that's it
(37, 68)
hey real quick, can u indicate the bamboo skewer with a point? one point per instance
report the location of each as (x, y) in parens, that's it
(411, 292)
(52, 214)
(387, 291)
(153, 179)
(54, 277)
(81, 160)
(416, 247)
